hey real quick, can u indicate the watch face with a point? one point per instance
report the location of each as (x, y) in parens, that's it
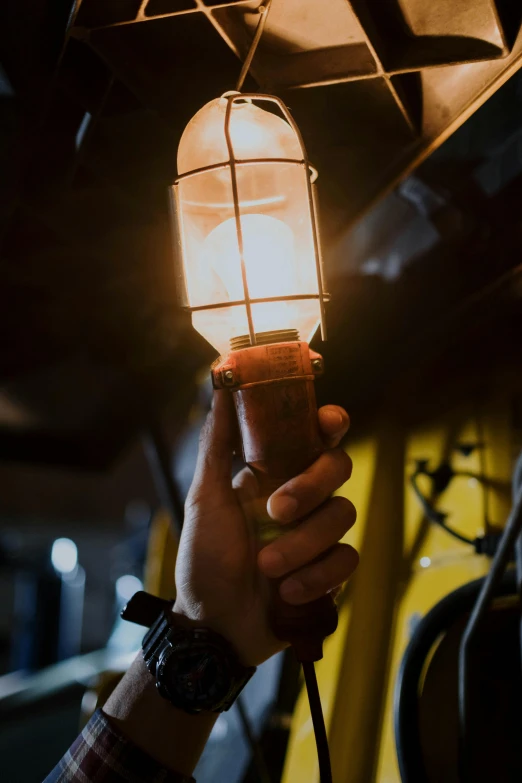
(193, 674)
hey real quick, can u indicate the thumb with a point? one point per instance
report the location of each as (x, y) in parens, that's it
(213, 473)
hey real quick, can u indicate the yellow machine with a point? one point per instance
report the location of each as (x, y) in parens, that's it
(407, 565)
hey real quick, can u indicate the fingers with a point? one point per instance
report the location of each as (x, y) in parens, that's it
(311, 539)
(319, 578)
(334, 423)
(216, 445)
(302, 494)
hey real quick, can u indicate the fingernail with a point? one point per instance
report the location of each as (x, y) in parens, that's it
(292, 590)
(272, 562)
(283, 508)
(333, 418)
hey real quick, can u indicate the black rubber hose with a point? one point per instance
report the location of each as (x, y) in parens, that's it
(406, 698)
(511, 533)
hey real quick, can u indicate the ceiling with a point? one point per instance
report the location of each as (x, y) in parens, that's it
(93, 99)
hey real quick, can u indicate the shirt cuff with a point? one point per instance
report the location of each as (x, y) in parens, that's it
(101, 753)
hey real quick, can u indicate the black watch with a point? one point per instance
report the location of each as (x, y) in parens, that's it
(195, 669)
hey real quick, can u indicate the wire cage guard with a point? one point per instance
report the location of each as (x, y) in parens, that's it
(234, 164)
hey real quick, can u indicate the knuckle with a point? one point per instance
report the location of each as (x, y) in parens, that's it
(303, 488)
(344, 562)
(301, 549)
(343, 512)
(330, 573)
(342, 463)
(286, 556)
(342, 506)
(350, 558)
(315, 579)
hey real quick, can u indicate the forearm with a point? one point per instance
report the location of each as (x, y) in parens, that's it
(174, 738)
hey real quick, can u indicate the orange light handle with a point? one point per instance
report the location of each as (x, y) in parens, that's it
(275, 402)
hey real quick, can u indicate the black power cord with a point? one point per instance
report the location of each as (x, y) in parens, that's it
(483, 545)
(437, 517)
(321, 739)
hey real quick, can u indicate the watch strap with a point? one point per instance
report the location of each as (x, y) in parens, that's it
(154, 642)
(144, 608)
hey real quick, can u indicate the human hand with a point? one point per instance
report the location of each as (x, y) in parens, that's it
(222, 579)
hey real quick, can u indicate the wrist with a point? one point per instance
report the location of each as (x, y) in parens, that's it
(171, 736)
(231, 632)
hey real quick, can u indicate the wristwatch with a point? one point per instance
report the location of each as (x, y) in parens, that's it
(195, 669)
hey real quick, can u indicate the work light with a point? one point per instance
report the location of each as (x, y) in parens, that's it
(249, 270)
(249, 263)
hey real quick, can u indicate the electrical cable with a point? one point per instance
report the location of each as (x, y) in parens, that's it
(263, 11)
(437, 517)
(321, 739)
(517, 487)
(504, 552)
(483, 545)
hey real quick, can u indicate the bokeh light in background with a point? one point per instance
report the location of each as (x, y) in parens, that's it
(64, 555)
(127, 586)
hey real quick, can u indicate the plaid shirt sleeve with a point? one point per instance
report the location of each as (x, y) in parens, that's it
(101, 754)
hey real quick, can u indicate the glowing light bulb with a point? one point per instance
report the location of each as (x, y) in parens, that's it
(268, 185)
(268, 247)
(270, 264)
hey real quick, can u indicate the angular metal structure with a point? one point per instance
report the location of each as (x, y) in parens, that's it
(95, 97)
(375, 84)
